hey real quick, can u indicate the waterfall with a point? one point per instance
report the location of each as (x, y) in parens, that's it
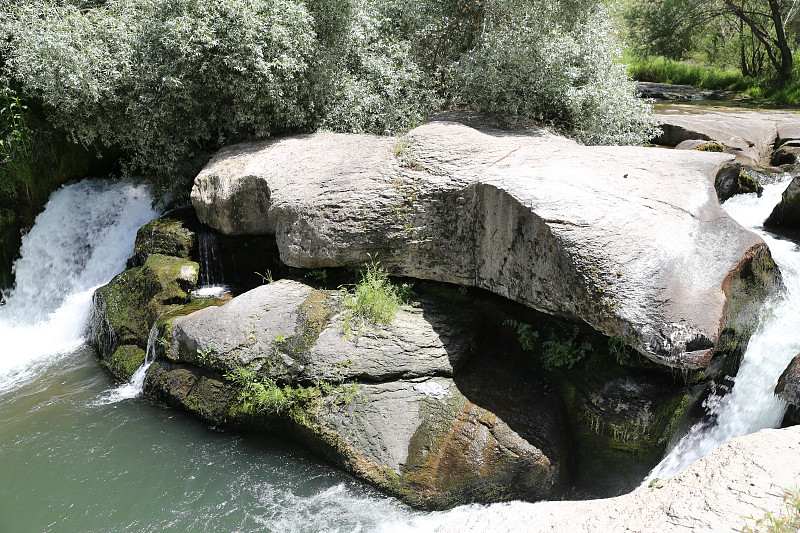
(78, 243)
(751, 404)
(211, 281)
(135, 386)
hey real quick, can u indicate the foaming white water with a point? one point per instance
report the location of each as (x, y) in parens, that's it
(79, 242)
(751, 404)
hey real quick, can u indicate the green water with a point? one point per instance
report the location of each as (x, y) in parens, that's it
(69, 465)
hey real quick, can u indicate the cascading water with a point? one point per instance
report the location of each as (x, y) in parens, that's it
(79, 242)
(751, 404)
(135, 386)
(212, 275)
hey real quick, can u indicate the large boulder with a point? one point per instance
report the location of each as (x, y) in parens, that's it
(745, 477)
(382, 402)
(629, 240)
(787, 213)
(749, 135)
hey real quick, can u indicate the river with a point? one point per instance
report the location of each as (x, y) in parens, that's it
(75, 457)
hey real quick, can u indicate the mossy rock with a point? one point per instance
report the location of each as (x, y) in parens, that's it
(785, 155)
(172, 235)
(710, 146)
(621, 426)
(747, 288)
(748, 184)
(125, 308)
(125, 361)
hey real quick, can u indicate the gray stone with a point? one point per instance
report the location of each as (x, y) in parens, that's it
(293, 332)
(630, 240)
(787, 213)
(443, 449)
(750, 135)
(788, 387)
(743, 478)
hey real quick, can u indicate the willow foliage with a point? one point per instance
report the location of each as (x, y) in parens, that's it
(168, 81)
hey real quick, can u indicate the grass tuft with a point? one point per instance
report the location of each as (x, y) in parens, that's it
(374, 299)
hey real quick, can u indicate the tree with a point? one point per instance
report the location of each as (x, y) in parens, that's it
(674, 27)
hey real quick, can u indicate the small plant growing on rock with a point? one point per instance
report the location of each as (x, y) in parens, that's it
(375, 299)
(786, 521)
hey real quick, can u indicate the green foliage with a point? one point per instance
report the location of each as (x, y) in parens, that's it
(167, 82)
(318, 275)
(565, 351)
(618, 350)
(663, 70)
(526, 335)
(556, 62)
(259, 394)
(374, 299)
(787, 520)
(262, 395)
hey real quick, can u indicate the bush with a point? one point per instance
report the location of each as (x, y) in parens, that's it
(169, 81)
(559, 63)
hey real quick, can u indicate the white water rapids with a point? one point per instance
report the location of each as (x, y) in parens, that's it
(79, 242)
(751, 404)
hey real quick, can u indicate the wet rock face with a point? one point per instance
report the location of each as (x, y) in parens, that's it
(565, 229)
(786, 214)
(124, 309)
(173, 235)
(788, 389)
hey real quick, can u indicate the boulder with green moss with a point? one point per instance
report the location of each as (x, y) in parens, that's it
(381, 400)
(124, 310)
(173, 234)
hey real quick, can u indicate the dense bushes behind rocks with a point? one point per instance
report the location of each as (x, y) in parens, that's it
(169, 81)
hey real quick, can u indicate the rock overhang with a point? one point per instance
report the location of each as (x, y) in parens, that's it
(630, 240)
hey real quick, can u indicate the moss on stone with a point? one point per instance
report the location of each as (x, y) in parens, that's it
(125, 361)
(169, 235)
(127, 306)
(313, 317)
(710, 146)
(747, 183)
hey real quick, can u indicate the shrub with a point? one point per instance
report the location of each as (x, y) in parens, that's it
(374, 299)
(558, 63)
(169, 81)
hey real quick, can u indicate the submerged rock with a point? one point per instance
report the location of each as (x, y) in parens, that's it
(629, 240)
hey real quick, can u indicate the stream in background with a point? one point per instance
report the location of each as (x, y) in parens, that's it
(77, 454)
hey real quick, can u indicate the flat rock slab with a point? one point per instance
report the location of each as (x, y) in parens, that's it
(744, 477)
(630, 240)
(749, 135)
(293, 332)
